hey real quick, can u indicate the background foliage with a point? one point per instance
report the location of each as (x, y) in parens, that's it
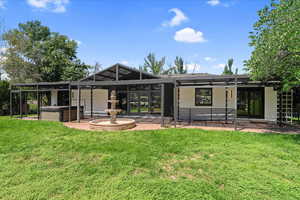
(276, 43)
(34, 54)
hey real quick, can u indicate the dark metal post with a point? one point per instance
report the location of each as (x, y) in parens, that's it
(10, 102)
(21, 106)
(235, 103)
(226, 105)
(127, 99)
(38, 102)
(92, 96)
(162, 105)
(78, 103)
(175, 104)
(70, 102)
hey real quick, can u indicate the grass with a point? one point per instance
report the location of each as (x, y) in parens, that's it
(45, 160)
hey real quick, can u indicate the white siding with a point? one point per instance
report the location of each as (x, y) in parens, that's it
(270, 104)
(187, 98)
(100, 98)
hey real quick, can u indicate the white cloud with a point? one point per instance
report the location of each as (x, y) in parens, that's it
(192, 67)
(124, 62)
(2, 4)
(209, 59)
(177, 19)
(219, 66)
(213, 2)
(57, 6)
(189, 35)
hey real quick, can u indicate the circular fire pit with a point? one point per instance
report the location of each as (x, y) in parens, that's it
(106, 125)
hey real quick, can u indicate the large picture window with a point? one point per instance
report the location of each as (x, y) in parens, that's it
(203, 97)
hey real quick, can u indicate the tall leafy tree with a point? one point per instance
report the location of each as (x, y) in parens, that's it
(151, 64)
(4, 97)
(179, 67)
(228, 67)
(34, 53)
(276, 43)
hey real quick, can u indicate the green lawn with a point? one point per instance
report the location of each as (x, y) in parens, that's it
(45, 160)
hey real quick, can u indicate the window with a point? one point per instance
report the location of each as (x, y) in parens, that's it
(203, 96)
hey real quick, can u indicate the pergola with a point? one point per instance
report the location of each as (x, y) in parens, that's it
(120, 75)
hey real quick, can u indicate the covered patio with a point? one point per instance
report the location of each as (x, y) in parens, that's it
(142, 95)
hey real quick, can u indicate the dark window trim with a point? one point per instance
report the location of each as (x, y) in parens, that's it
(211, 92)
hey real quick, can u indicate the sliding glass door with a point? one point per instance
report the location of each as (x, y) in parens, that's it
(250, 102)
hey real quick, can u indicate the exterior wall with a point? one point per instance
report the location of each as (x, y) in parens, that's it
(100, 98)
(53, 97)
(187, 98)
(270, 104)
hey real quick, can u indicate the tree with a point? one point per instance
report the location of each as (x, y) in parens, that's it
(228, 67)
(179, 67)
(35, 54)
(152, 65)
(4, 97)
(276, 44)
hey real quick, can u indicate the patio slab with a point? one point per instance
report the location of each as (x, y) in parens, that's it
(214, 126)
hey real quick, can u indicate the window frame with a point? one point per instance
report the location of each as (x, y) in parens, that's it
(211, 95)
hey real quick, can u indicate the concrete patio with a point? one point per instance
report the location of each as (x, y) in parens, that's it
(244, 126)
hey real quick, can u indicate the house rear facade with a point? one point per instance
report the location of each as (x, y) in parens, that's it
(186, 97)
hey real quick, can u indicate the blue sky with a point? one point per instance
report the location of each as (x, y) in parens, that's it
(206, 33)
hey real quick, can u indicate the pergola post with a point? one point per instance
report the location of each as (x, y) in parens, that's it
(78, 103)
(175, 104)
(92, 96)
(70, 102)
(162, 103)
(10, 102)
(21, 106)
(38, 102)
(226, 105)
(235, 102)
(127, 100)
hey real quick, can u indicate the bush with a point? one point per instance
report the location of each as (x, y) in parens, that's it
(4, 97)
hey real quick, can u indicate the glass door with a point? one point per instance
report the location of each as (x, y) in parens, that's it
(144, 102)
(155, 102)
(133, 102)
(250, 102)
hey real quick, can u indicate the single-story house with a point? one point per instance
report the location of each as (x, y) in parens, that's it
(180, 97)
